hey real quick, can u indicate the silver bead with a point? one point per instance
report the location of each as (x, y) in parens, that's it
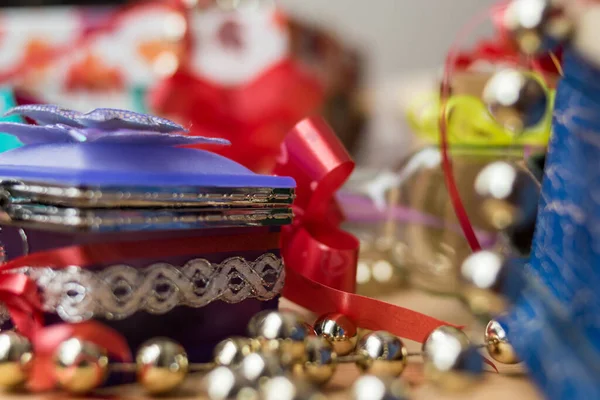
(284, 388)
(497, 344)
(537, 26)
(450, 361)
(15, 359)
(482, 275)
(231, 351)
(162, 365)
(370, 387)
(320, 362)
(515, 99)
(510, 195)
(223, 383)
(80, 366)
(256, 367)
(280, 331)
(382, 354)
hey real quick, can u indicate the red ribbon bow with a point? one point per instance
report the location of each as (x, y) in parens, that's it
(320, 257)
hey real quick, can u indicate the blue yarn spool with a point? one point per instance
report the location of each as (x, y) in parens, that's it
(555, 324)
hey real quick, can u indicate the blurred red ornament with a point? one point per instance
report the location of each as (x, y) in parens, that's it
(255, 117)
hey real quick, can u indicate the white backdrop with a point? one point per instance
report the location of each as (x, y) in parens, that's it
(397, 35)
(405, 42)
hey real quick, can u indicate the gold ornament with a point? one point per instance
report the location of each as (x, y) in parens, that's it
(162, 365)
(498, 345)
(339, 330)
(537, 26)
(80, 366)
(280, 331)
(15, 359)
(231, 351)
(370, 387)
(510, 195)
(450, 361)
(320, 361)
(516, 100)
(283, 388)
(256, 367)
(482, 274)
(382, 354)
(223, 383)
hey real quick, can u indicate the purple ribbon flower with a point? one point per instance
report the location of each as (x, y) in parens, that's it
(106, 125)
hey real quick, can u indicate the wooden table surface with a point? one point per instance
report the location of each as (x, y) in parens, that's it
(511, 380)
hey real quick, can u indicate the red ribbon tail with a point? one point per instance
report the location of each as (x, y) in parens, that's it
(47, 340)
(366, 312)
(491, 364)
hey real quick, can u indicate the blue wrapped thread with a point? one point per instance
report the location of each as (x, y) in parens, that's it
(555, 325)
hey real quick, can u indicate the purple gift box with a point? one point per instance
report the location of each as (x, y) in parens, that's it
(113, 176)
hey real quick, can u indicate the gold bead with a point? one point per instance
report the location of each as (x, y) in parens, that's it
(231, 351)
(382, 354)
(370, 387)
(516, 100)
(498, 345)
(450, 361)
(509, 195)
(320, 361)
(223, 383)
(15, 359)
(339, 330)
(162, 365)
(537, 26)
(256, 367)
(482, 274)
(280, 331)
(80, 366)
(284, 388)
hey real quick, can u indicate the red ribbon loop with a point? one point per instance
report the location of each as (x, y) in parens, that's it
(314, 244)
(21, 297)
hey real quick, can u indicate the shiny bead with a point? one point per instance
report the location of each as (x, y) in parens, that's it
(498, 345)
(283, 388)
(280, 331)
(515, 99)
(482, 274)
(510, 195)
(339, 330)
(231, 351)
(370, 387)
(15, 359)
(450, 361)
(80, 366)
(162, 365)
(382, 353)
(223, 383)
(256, 367)
(320, 361)
(537, 26)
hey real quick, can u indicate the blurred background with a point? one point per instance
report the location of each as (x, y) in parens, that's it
(405, 42)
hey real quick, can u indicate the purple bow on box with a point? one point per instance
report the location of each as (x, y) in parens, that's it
(105, 125)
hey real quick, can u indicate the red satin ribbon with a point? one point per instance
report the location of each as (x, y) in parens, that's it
(320, 257)
(21, 297)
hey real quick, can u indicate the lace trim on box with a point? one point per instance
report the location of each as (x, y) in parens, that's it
(117, 292)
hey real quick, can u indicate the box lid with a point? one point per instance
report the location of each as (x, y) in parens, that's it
(84, 170)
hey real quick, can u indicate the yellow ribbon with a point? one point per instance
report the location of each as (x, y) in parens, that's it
(469, 123)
